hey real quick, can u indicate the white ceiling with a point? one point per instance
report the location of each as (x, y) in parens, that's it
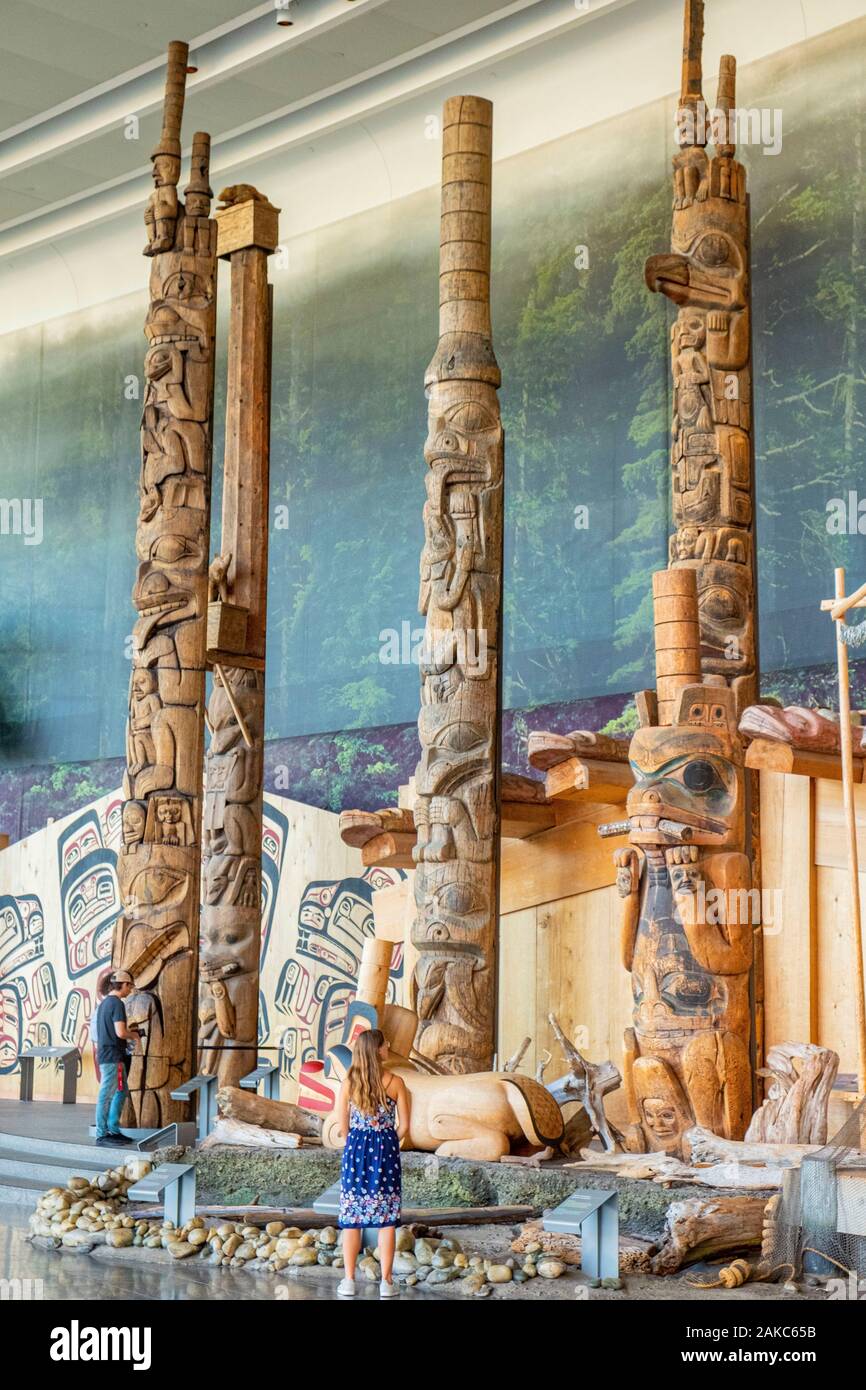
(70, 74)
(328, 116)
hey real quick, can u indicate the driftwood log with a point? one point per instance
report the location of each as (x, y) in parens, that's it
(242, 1134)
(700, 1228)
(587, 1083)
(634, 1251)
(253, 1109)
(457, 778)
(705, 1147)
(795, 1111)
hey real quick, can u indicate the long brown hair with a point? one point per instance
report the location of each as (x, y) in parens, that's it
(366, 1083)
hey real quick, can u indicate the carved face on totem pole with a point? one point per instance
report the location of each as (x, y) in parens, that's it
(688, 928)
(455, 780)
(706, 275)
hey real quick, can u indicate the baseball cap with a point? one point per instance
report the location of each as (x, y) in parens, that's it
(122, 977)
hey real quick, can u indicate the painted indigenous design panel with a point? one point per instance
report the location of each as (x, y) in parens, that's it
(59, 900)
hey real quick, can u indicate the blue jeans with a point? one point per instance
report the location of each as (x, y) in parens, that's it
(113, 1092)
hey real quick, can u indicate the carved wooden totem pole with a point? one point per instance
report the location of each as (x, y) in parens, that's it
(158, 867)
(457, 778)
(690, 915)
(237, 613)
(685, 881)
(707, 276)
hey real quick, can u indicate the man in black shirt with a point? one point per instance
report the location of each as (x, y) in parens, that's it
(112, 1034)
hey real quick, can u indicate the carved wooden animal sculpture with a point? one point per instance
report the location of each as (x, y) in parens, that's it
(158, 866)
(707, 276)
(457, 778)
(687, 930)
(234, 766)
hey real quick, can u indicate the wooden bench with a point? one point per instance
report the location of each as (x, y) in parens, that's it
(69, 1056)
(175, 1184)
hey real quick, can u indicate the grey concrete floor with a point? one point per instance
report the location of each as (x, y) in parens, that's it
(83, 1278)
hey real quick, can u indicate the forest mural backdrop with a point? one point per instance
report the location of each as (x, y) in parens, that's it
(584, 353)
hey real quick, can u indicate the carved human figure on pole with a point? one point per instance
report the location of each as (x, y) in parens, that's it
(156, 938)
(706, 275)
(457, 778)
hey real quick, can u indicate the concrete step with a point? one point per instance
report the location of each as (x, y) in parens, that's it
(51, 1173)
(52, 1150)
(21, 1191)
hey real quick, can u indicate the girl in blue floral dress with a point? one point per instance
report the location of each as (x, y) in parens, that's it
(374, 1117)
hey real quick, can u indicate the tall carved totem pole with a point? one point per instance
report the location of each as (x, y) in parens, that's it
(707, 276)
(156, 938)
(237, 614)
(457, 778)
(686, 879)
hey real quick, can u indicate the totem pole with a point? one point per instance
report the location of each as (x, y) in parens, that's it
(707, 277)
(457, 778)
(156, 938)
(685, 881)
(237, 612)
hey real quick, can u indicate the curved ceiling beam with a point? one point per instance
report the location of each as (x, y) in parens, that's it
(508, 31)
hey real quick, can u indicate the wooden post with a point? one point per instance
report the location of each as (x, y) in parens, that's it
(457, 779)
(232, 842)
(838, 613)
(156, 938)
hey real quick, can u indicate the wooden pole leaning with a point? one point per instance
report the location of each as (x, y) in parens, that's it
(840, 607)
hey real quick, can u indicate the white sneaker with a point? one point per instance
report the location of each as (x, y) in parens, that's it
(387, 1290)
(346, 1288)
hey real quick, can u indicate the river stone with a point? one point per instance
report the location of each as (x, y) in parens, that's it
(304, 1256)
(369, 1267)
(412, 1280)
(551, 1269)
(197, 1237)
(530, 1269)
(286, 1247)
(405, 1241)
(461, 1260)
(442, 1276)
(179, 1249)
(118, 1238)
(451, 1244)
(485, 1291)
(274, 1228)
(404, 1263)
(500, 1274)
(79, 1240)
(328, 1236)
(245, 1251)
(472, 1283)
(325, 1257)
(443, 1259)
(424, 1252)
